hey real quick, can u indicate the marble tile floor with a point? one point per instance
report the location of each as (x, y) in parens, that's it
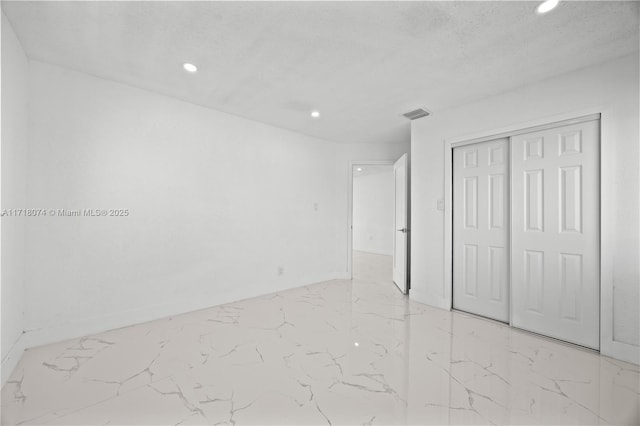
(337, 352)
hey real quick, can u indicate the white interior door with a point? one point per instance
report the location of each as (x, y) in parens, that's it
(481, 229)
(555, 233)
(400, 240)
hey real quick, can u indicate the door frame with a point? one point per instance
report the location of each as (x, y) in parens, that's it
(353, 164)
(606, 266)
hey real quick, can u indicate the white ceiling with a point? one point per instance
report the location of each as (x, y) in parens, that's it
(362, 64)
(368, 170)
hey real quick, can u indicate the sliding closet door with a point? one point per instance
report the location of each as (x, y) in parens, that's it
(555, 233)
(480, 229)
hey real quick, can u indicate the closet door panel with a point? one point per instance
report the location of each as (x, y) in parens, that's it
(555, 233)
(481, 223)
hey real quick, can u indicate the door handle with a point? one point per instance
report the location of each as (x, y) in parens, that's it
(403, 230)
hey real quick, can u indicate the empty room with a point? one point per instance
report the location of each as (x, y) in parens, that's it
(319, 212)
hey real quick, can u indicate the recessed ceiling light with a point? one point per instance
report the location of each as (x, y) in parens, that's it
(315, 114)
(359, 169)
(546, 6)
(190, 67)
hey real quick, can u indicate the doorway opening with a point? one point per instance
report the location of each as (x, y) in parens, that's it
(378, 238)
(372, 227)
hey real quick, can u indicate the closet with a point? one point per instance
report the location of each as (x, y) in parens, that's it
(526, 230)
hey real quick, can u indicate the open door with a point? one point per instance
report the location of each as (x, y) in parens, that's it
(400, 240)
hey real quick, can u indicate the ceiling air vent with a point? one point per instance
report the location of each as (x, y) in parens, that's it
(417, 113)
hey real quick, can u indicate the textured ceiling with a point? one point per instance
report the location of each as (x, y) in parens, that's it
(362, 64)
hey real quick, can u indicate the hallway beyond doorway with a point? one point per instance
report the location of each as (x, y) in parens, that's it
(372, 267)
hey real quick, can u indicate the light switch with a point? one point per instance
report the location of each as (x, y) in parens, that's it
(441, 204)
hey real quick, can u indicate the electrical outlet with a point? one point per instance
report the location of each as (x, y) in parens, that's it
(440, 204)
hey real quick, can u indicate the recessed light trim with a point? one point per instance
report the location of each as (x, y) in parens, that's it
(359, 169)
(546, 6)
(315, 114)
(189, 67)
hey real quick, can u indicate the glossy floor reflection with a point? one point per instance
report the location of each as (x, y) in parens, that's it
(339, 352)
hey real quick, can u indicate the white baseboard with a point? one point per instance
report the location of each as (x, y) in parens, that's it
(342, 276)
(99, 324)
(427, 299)
(419, 296)
(12, 359)
(621, 351)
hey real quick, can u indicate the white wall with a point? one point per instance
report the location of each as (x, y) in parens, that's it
(14, 166)
(218, 204)
(373, 211)
(612, 89)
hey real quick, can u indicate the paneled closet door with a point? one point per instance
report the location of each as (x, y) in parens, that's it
(480, 229)
(555, 232)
